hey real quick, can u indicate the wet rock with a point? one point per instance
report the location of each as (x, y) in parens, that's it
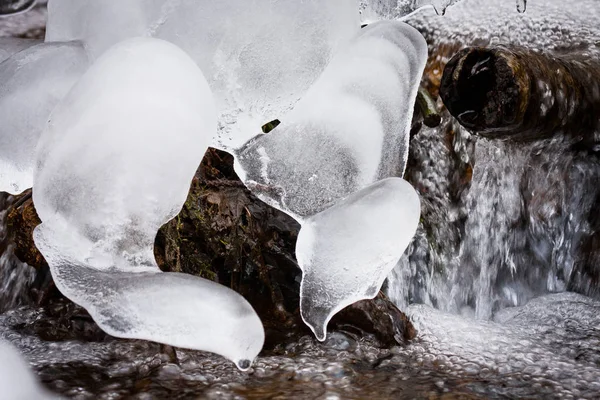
(226, 234)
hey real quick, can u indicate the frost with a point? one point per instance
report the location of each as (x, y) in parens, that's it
(258, 56)
(350, 130)
(346, 251)
(372, 10)
(33, 81)
(115, 164)
(17, 382)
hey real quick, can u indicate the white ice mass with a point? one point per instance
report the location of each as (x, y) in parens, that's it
(258, 56)
(113, 165)
(346, 251)
(32, 82)
(350, 130)
(17, 381)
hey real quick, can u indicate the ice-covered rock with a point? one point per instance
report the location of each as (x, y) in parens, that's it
(350, 130)
(346, 251)
(17, 382)
(114, 164)
(258, 56)
(32, 82)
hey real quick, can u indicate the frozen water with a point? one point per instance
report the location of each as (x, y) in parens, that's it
(373, 10)
(10, 46)
(119, 152)
(253, 53)
(100, 24)
(114, 164)
(17, 382)
(350, 130)
(547, 25)
(346, 251)
(260, 57)
(177, 309)
(33, 82)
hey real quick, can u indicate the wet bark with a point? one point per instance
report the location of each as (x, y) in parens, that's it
(513, 92)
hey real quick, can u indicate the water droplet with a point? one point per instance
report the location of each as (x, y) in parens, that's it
(521, 6)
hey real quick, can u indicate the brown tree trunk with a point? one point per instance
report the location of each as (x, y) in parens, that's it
(513, 92)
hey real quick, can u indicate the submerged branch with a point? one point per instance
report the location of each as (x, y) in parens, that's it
(516, 93)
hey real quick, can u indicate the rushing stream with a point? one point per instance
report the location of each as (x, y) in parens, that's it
(484, 282)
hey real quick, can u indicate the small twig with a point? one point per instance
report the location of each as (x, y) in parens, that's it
(428, 108)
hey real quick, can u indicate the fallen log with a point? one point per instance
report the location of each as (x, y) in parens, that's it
(516, 93)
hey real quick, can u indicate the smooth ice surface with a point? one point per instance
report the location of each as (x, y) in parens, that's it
(17, 382)
(177, 309)
(255, 54)
(32, 82)
(350, 130)
(114, 165)
(10, 46)
(346, 251)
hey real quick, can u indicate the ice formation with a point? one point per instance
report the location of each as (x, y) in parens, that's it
(10, 46)
(350, 130)
(114, 164)
(258, 56)
(33, 81)
(373, 10)
(346, 251)
(17, 382)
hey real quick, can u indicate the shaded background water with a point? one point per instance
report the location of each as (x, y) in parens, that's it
(502, 224)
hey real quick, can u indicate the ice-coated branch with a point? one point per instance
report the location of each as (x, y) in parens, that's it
(512, 92)
(114, 164)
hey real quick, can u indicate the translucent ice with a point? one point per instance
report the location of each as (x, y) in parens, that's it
(101, 24)
(255, 54)
(17, 382)
(114, 164)
(350, 130)
(10, 46)
(31, 84)
(346, 251)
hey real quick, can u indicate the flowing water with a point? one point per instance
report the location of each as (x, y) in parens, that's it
(502, 226)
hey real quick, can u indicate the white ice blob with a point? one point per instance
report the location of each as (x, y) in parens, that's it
(350, 130)
(32, 82)
(346, 251)
(114, 164)
(258, 56)
(17, 382)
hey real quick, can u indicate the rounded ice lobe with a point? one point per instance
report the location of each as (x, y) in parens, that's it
(32, 82)
(254, 54)
(350, 130)
(114, 164)
(347, 251)
(17, 381)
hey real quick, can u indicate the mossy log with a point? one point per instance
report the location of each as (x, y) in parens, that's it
(513, 92)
